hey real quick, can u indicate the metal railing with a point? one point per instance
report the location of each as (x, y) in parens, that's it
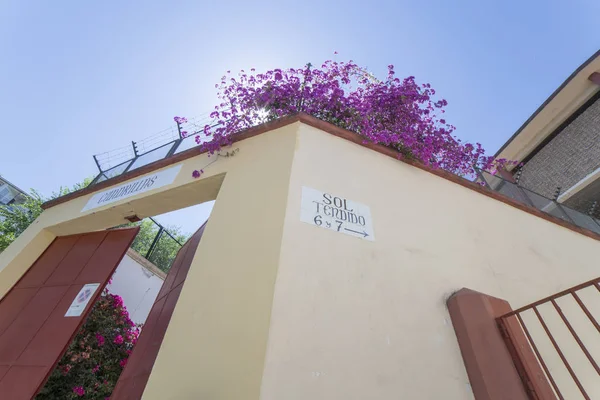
(175, 140)
(536, 200)
(159, 248)
(557, 329)
(164, 144)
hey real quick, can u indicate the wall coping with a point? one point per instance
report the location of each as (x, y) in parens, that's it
(335, 131)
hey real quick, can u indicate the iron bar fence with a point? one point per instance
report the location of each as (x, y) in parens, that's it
(162, 145)
(157, 245)
(536, 200)
(131, 158)
(182, 137)
(563, 331)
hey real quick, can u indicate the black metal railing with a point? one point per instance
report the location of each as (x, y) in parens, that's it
(156, 244)
(536, 200)
(563, 332)
(182, 137)
(164, 144)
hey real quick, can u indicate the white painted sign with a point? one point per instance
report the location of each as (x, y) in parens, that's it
(141, 185)
(336, 213)
(81, 300)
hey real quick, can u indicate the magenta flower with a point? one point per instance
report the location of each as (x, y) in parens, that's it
(118, 300)
(180, 120)
(82, 370)
(397, 113)
(196, 174)
(79, 390)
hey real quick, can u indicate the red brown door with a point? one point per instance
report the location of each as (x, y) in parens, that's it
(132, 381)
(34, 331)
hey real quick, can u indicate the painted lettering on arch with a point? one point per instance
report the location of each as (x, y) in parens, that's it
(141, 185)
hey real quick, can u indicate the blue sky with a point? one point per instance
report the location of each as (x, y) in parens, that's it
(77, 78)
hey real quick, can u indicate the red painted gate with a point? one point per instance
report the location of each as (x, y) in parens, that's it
(132, 381)
(34, 332)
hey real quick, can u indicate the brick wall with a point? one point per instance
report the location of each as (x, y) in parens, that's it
(566, 159)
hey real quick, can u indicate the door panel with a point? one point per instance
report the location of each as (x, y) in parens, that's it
(31, 318)
(40, 349)
(34, 332)
(45, 266)
(70, 267)
(10, 309)
(17, 381)
(108, 253)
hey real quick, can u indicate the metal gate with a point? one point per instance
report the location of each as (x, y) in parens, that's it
(564, 333)
(34, 330)
(132, 382)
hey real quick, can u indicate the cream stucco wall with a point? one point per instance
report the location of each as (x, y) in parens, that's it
(216, 340)
(354, 319)
(274, 308)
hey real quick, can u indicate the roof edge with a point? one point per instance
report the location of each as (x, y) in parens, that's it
(18, 189)
(548, 100)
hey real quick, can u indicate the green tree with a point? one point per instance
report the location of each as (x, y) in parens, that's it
(15, 218)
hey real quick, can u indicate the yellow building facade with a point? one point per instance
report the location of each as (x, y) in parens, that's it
(276, 307)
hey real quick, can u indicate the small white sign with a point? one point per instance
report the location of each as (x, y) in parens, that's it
(141, 185)
(336, 213)
(81, 300)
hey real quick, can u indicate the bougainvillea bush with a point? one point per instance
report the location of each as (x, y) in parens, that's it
(394, 112)
(94, 360)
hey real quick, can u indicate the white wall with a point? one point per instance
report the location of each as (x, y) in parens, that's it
(137, 285)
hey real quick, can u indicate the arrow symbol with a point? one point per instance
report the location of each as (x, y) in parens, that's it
(365, 234)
